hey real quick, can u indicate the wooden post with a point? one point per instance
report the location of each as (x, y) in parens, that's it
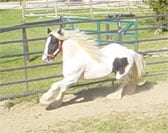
(25, 52)
(25, 44)
(136, 34)
(108, 29)
(47, 3)
(91, 8)
(119, 25)
(23, 10)
(47, 6)
(108, 37)
(56, 9)
(98, 30)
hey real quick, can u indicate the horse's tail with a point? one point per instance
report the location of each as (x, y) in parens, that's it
(138, 67)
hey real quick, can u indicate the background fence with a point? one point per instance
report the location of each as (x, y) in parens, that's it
(90, 8)
(32, 77)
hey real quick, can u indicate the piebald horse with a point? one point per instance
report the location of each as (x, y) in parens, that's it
(82, 58)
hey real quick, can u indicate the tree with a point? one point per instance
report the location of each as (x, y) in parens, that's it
(160, 7)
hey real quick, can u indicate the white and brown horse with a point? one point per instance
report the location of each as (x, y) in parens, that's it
(82, 58)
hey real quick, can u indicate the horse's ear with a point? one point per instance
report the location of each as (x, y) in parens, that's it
(49, 31)
(59, 31)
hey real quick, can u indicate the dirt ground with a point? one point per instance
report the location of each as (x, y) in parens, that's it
(151, 99)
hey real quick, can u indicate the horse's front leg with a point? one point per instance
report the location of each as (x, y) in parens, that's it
(71, 76)
(64, 84)
(57, 101)
(48, 96)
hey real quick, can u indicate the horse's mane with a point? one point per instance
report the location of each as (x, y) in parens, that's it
(83, 40)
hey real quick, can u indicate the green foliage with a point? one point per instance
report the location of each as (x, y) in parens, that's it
(159, 7)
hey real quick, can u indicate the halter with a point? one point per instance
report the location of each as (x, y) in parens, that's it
(52, 56)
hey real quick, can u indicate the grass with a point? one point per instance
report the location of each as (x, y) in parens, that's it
(115, 123)
(134, 125)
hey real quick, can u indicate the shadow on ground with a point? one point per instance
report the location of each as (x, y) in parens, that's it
(94, 93)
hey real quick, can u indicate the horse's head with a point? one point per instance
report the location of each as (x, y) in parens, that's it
(53, 45)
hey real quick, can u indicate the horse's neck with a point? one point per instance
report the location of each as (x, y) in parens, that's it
(70, 49)
(82, 47)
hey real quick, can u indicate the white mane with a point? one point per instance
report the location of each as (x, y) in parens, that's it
(83, 40)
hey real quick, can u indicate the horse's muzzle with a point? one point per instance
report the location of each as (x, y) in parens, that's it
(47, 59)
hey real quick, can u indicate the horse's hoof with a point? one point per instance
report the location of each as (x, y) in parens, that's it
(54, 105)
(142, 83)
(43, 102)
(114, 96)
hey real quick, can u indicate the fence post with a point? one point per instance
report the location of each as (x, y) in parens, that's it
(98, 30)
(25, 52)
(119, 25)
(56, 8)
(23, 10)
(136, 34)
(25, 44)
(91, 8)
(107, 26)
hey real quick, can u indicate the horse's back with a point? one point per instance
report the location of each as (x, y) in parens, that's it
(115, 50)
(109, 53)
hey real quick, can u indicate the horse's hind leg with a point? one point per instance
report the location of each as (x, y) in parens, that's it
(118, 93)
(130, 88)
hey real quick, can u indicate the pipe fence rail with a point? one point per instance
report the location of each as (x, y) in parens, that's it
(57, 22)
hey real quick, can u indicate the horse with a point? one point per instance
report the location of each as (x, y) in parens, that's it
(83, 58)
